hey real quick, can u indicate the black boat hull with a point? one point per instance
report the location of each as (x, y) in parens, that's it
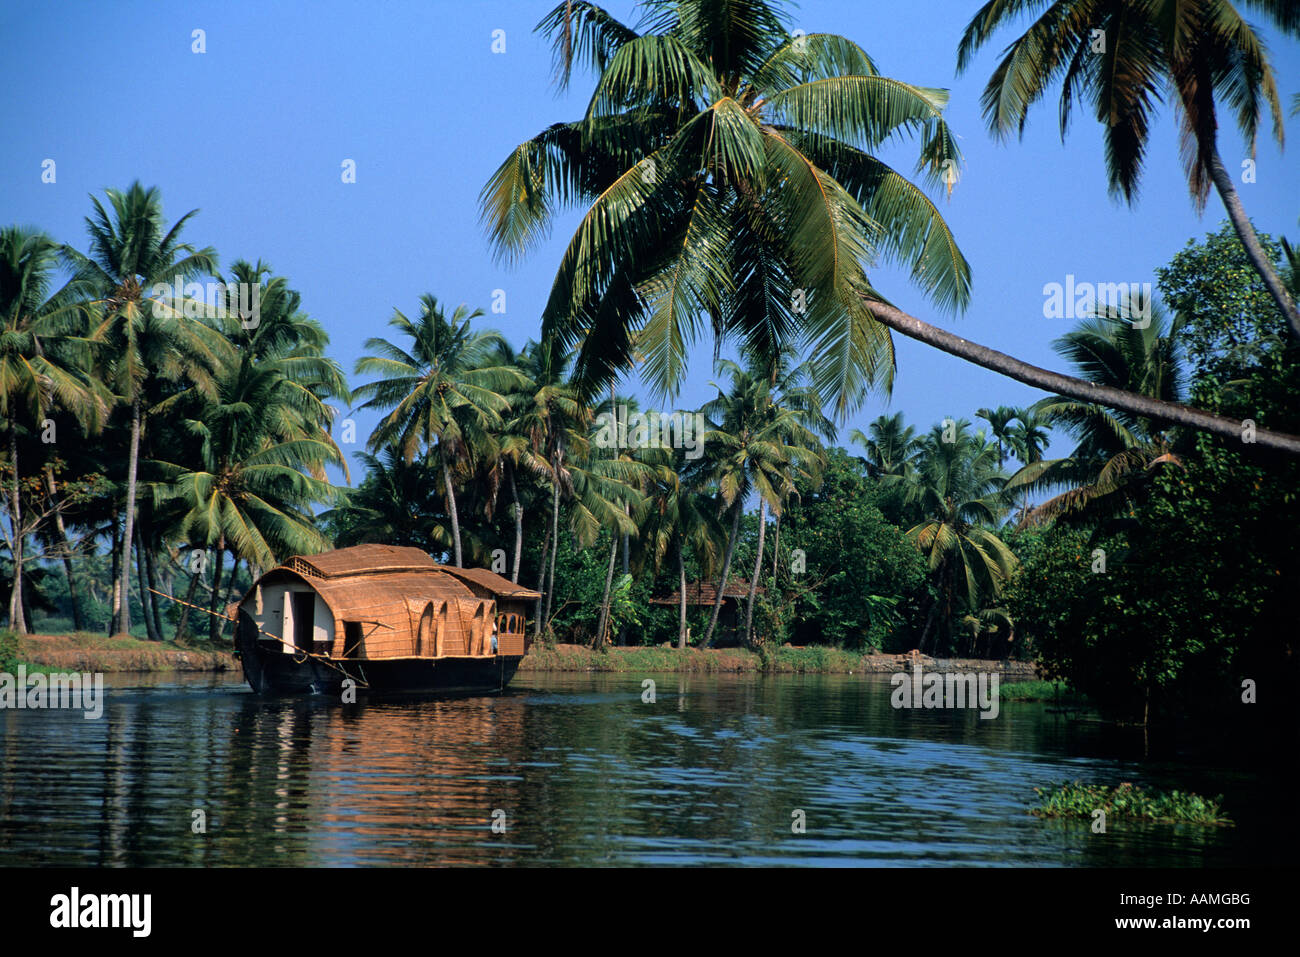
(276, 673)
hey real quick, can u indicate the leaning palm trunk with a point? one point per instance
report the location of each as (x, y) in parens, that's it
(124, 622)
(758, 565)
(726, 570)
(65, 549)
(1140, 405)
(604, 603)
(16, 620)
(1250, 241)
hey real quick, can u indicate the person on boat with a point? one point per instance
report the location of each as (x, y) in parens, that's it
(494, 636)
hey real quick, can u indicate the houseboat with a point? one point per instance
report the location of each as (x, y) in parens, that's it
(390, 619)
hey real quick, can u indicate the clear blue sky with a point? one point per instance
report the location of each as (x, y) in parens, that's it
(253, 133)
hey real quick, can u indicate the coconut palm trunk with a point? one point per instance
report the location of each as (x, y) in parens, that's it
(451, 508)
(1054, 382)
(133, 461)
(555, 542)
(151, 572)
(230, 594)
(726, 570)
(142, 580)
(182, 626)
(776, 542)
(65, 550)
(116, 576)
(1250, 241)
(609, 584)
(214, 632)
(519, 525)
(17, 621)
(681, 604)
(758, 566)
(541, 586)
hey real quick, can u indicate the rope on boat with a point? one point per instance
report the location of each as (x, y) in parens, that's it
(323, 659)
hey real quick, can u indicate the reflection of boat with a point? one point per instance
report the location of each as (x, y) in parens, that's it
(388, 618)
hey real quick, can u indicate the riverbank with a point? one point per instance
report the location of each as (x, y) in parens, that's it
(97, 653)
(810, 659)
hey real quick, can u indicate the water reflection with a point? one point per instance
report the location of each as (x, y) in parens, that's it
(582, 772)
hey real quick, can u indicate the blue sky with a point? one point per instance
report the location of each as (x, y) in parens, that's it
(253, 132)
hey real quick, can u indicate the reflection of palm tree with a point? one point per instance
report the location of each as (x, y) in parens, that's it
(1197, 49)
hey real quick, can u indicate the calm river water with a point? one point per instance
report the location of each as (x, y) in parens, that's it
(580, 771)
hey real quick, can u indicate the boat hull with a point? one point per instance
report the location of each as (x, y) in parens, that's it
(276, 673)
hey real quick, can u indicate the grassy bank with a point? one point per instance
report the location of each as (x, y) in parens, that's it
(98, 653)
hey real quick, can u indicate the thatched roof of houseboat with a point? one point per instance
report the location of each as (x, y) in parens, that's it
(388, 590)
(361, 560)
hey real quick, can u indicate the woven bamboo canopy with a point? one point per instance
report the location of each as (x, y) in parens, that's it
(385, 601)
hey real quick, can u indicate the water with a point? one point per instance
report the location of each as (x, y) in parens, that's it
(582, 772)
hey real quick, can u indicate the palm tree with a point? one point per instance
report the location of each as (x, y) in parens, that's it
(144, 337)
(258, 475)
(41, 366)
(958, 486)
(1198, 49)
(753, 446)
(1114, 449)
(726, 170)
(674, 519)
(999, 421)
(447, 393)
(890, 444)
(1027, 435)
(728, 173)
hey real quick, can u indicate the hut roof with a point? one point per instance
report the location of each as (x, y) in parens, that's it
(501, 586)
(706, 593)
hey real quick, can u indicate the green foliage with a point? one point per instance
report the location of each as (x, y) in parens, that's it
(1229, 318)
(1054, 691)
(9, 660)
(1073, 799)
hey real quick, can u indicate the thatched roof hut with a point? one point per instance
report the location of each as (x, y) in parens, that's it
(706, 593)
